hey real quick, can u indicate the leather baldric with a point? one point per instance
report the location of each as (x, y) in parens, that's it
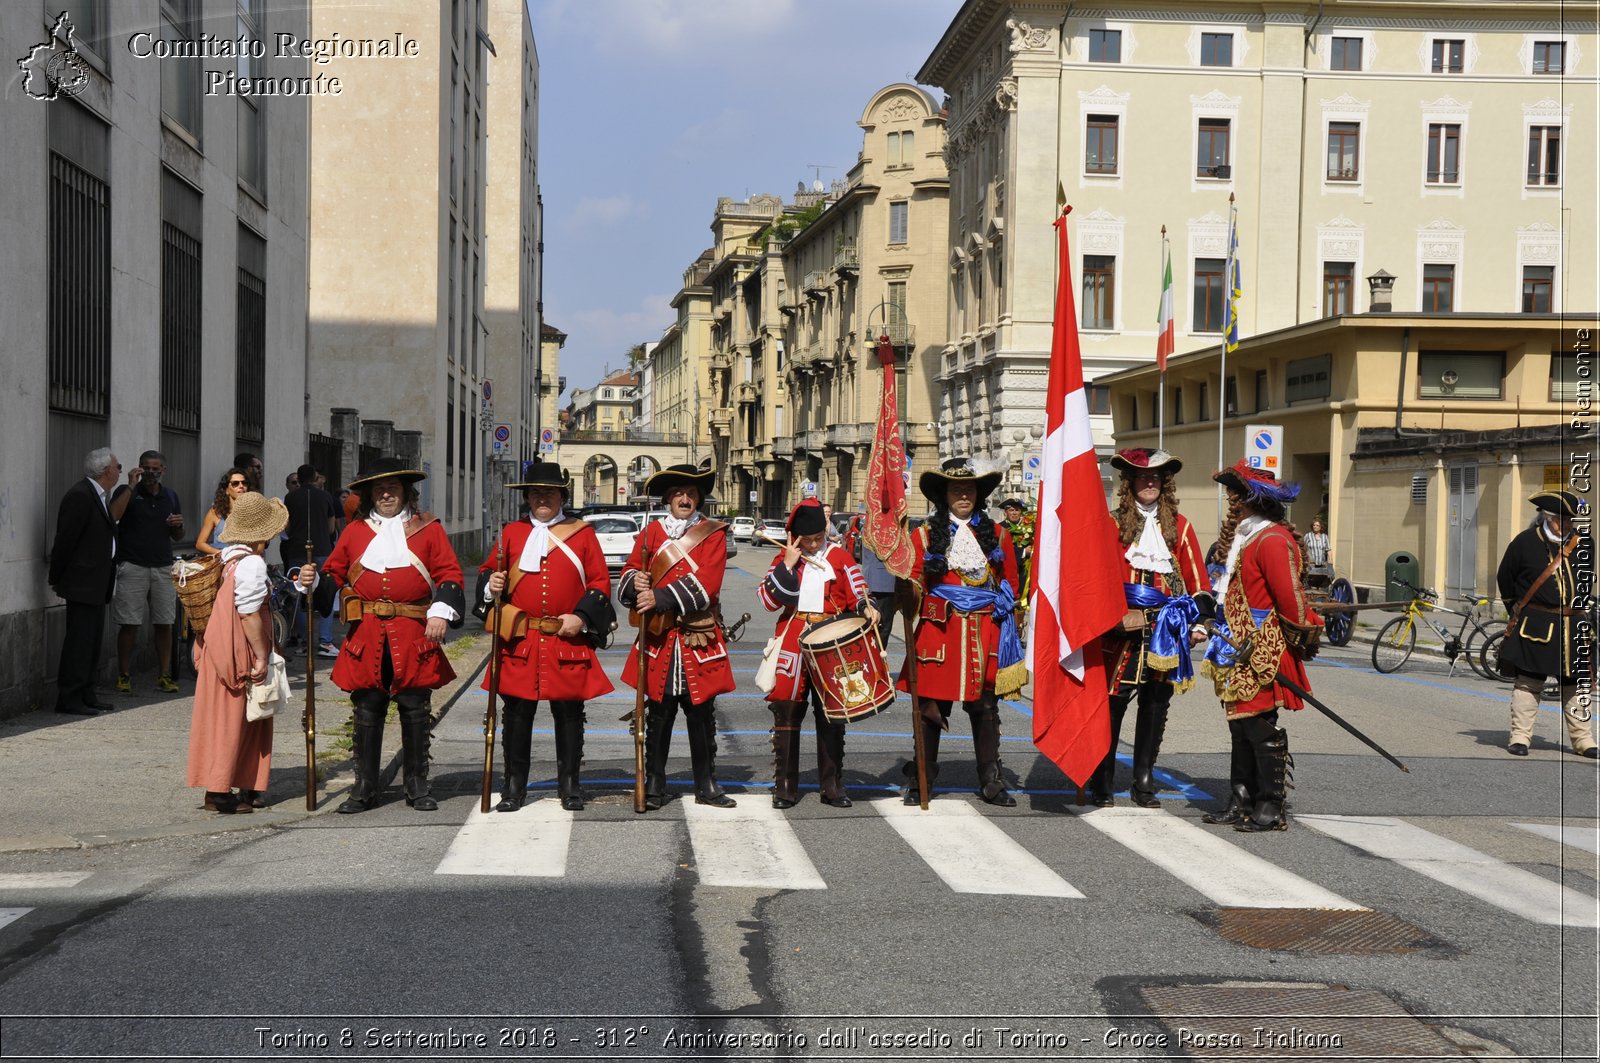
(657, 622)
(514, 623)
(1549, 570)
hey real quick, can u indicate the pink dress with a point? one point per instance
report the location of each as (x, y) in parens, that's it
(224, 750)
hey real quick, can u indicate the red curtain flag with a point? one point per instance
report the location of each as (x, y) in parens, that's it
(1077, 563)
(884, 530)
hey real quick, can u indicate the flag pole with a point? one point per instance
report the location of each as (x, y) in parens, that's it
(1227, 320)
(1161, 323)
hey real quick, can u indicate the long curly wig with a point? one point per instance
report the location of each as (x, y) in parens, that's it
(1130, 522)
(935, 564)
(1238, 508)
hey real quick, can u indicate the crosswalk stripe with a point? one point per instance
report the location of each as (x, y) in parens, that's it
(970, 853)
(531, 842)
(43, 880)
(1200, 858)
(1460, 867)
(1585, 838)
(752, 845)
(11, 915)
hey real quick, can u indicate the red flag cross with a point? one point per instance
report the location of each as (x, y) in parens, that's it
(884, 530)
(1078, 563)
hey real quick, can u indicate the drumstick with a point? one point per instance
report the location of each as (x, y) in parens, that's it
(784, 546)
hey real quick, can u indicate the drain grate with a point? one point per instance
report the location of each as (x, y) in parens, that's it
(1321, 930)
(1261, 1021)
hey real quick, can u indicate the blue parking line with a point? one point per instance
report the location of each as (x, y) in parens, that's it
(1418, 682)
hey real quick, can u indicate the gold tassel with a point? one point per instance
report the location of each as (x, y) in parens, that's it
(1010, 679)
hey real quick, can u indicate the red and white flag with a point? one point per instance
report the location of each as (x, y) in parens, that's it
(1077, 563)
(1166, 335)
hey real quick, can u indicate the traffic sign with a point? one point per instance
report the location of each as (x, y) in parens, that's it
(1033, 463)
(808, 489)
(1263, 448)
(622, 492)
(547, 436)
(907, 474)
(502, 437)
(752, 496)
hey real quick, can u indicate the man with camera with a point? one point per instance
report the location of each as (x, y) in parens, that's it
(146, 530)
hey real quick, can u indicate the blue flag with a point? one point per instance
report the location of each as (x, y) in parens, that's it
(1230, 332)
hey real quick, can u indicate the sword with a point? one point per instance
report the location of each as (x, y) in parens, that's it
(1313, 702)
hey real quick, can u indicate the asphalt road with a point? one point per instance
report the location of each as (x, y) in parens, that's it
(1044, 931)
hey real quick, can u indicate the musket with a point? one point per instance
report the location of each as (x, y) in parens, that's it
(308, 715)
(501, 557)
(641, 682)
(918, 743)
(1305, 695)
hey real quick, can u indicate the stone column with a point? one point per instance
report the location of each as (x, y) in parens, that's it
(345, 426)
(379, 434)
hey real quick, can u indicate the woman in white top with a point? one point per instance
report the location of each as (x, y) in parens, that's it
(1316, 544)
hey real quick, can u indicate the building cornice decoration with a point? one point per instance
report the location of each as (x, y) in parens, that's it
(1176, 15)
(1447, 106)
(900, 109)
(1547, 108)
(1441, 240)
(1025, 38)
(1340, 240)
(1539, 244)
(1005, 94)
(1100, 232)
(1104, 98)
(1216, 102)
(1346, 104)
(1208, 235)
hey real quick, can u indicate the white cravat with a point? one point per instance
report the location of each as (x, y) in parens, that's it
(675, 527)
(1149, 552)
(538, 544)
(1242, 533)
(388, 547)
(813, 581)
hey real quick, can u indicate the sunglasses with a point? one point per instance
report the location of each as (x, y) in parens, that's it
(238, 483)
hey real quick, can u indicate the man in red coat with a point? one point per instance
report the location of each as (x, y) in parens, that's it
(968, 650)
(1266, 618)
(1168, 593)
(673, 579)
(401, 587)
(558, 608)
(811, 579)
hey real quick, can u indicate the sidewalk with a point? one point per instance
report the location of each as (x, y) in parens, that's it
(81, 781)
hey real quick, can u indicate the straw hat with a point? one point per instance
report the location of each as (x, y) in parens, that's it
(254, 518)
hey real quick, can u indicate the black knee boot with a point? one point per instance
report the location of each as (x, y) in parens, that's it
(702, 722)
(657, 744)
(1150, 726)
(786, 717)
(569, 752)
(930, 748)
(416, 724)
(516, 736)
(1241, 777)
(1274, 774)
(1102, 784)
(830, 760)
(371, 706)
(986, 746)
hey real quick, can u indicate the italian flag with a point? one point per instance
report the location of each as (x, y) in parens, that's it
(1165, 341)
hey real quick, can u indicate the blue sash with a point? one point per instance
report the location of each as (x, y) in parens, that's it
(1004, 603)
(1222, 654)
(1169, 632)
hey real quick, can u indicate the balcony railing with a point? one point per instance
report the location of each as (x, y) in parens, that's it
(722, 420)
(631, 435)
(783, 447)
(744, 392)
(844, 436)
(722, 360)
(847, 259)
(901, 333)
(816, 282)
(813, 439)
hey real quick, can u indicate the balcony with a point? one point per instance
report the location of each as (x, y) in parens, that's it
(901, 333)
(744, 393)
(788, 309)
(847, 259)
(722, 360)
(816, 283)
(722, 420)
(845, 436)
(812, 440)
(743, 455)
(783, 447)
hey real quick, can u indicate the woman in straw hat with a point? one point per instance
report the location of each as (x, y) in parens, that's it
(225, 750)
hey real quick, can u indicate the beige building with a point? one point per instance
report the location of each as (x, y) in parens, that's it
(1426, 139)
(1415, 433)
(157, 223)
(871, 262)
(680, 364)
(400, 329)
(551, 384)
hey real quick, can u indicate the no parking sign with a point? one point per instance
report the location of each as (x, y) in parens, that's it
(1263, 447)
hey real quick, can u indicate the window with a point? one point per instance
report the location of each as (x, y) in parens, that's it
(252, 131)
(1133, 413)
(1549, 57)
(1263, 400)
(1230, 397)
(1105, 46)
(1345, 54)
(1338, 288)
(1177, 405)
(1544, 155)
(1564, 385)
(250, 347)
(1438, 288)
(1444, 153)
(899, 215)
(79, 339)
(1216, 49)
(1205, 402)
(1099, 396)
(1212, 157)
(88, 22)
(1537, 285)
(605, 393)
(1308, 378)
(897, 324)
(902, 150)
(1344, 151)
(180, 75)
(1209, 294)
(1100, 144)
(180, 304)
(1099, 287)
(1460, 374)
(1447, 56)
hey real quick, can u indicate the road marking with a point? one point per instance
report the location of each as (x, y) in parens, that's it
(752, 845)
(11, 915)
(1200, 858)
(970, 853)
(1585, 838)
(1466, 869)
(44, 880)
(531, 842)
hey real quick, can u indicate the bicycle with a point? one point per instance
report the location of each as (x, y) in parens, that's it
(1398, 638)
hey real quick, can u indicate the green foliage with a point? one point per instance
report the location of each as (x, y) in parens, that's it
(790, 224)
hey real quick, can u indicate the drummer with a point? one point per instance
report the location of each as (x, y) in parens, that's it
(811, 579)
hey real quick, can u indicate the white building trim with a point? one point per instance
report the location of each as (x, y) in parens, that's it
(1538, 244)
(1446, 110)
(1346, 108)
(1103, 100)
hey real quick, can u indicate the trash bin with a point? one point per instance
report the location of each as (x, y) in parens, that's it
(1401, 565)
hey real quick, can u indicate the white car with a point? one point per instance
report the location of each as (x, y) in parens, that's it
(744, 528)
(616, 533)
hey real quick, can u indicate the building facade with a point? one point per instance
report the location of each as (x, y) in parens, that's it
(1426, 140)
(163, 284)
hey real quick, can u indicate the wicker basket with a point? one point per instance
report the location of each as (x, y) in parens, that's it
(196, 582)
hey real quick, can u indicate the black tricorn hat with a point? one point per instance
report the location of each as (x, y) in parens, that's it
(807, 518)
(1561, 503)
(935, 483)
(387, 469)
(681, 476)
(544, 474)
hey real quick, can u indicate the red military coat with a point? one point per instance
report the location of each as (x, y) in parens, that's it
(1266, 576)
(846, 588)
(418, 663)
(693, 584)
(540, 667)
(1126, 665)
(957, 653)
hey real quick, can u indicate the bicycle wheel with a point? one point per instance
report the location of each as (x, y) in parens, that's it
(280, 629)
(1394, 645)
(1488, 658)
(1472, 647)
(1339, 625)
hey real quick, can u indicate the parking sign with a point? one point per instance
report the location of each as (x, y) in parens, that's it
(1263, 447)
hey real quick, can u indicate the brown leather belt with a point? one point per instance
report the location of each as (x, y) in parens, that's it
(353, 609)
(547, 625)
(812, 618)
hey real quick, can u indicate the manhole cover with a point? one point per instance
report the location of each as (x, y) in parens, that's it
(1258, 1021)
(1321, 930)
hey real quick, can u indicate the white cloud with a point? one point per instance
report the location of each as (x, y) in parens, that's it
(598, 335)
(665, 28)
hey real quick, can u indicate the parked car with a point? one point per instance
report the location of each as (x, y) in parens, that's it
(616, 532)
(775, 530)
(744, 528)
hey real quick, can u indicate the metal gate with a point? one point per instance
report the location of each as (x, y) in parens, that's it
(1461, 548)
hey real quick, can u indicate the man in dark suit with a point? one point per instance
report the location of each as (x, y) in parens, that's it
(82, 571)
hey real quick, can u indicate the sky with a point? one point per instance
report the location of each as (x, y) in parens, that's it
(649, 110)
